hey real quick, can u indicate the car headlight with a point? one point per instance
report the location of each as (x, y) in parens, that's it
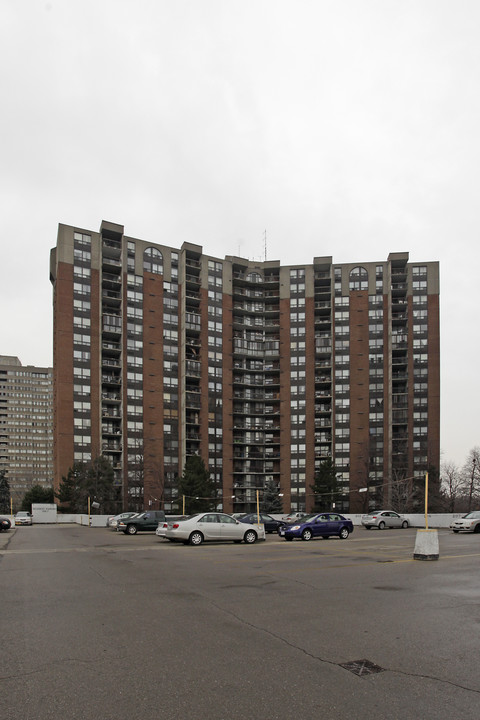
(295, 527)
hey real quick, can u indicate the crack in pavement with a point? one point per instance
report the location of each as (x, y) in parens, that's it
(331, 662)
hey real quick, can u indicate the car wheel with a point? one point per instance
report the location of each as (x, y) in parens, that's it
(381, 525)
(456, 531)
(344, 533)
(477, 528)
(307, 535)
(196, 538)
(131, 529)
(250, 537)
(404, 524)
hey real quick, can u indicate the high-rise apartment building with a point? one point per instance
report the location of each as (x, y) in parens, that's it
(26, 426)
(263, 370)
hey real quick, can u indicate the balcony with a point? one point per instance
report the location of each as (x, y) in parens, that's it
(111, 430)
(192, 262)
(111, 348)
(111, 379)
(111, 280)
(112, 324)
(110, 362)
(192, 279)
(112, 447)
(111, 412)
(193, 368)
(110, 263)
(193, 399)
(112, 248)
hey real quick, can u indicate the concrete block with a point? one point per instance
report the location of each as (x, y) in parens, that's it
(426, 545)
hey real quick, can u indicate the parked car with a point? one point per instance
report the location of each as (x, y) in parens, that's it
(469, 523)
(271, 525)
(210, 526)
(147, 520)
(5, 524)
(384, 518)
(293, 517)
(318, 525)
(23, 518)
(112, 522)
(161, 530)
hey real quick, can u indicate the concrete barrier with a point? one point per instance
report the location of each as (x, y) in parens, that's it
(426, 545)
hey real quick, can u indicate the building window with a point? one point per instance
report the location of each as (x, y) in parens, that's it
(153, 261)
(358, 279)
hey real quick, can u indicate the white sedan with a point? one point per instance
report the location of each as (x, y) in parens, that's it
(212, 526)
(469, 522)
(23, 518)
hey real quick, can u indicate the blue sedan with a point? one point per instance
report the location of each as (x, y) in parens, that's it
(318, 525)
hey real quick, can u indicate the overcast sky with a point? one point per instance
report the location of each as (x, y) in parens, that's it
(340, 127)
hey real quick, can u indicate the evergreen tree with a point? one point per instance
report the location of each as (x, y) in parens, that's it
(4, 493)
(37, 494)
(271, 500)
(94, 480)
(326, 488)
(197, 487)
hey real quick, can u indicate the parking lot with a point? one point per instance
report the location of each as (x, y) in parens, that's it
(119, 626)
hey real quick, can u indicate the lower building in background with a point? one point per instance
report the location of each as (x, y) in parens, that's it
(26, 426)
(266, 371)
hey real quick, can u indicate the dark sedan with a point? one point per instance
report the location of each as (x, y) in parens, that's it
(318, 525)
(5, 524)
(141, 522)
(271, 525)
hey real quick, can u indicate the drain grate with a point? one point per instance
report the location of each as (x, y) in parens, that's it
(362, 667)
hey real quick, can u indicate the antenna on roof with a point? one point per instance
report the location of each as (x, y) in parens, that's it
(265, 245)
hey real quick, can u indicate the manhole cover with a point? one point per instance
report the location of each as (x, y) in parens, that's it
(362, 667)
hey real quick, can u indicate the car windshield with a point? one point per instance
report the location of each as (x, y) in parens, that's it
(307, 518)
(473, 515)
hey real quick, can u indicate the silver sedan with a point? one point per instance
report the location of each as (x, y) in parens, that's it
(469, 523)
(384, 518)
(203, 527)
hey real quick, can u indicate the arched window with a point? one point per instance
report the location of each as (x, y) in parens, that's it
(254, 277)
(153, 261)
(358, 279)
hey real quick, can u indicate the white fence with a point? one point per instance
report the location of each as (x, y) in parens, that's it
(416, 520)
(435, 520)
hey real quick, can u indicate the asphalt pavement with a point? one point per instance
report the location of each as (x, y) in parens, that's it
(100, 625)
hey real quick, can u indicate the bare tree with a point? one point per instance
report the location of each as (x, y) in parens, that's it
(453, 484)
(471, 474)
(402, 492)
